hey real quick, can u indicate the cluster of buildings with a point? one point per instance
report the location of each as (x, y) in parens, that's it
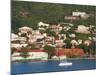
(41, 37)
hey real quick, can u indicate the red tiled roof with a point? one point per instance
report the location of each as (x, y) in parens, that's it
(76, 52)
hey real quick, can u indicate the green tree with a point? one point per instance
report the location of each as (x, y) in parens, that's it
(93, 48)
(93, 42)
(68, 44)
(84, 47)
(13, 50)
(50, 50)
(24, 52)
(33, 46)
(51, 33)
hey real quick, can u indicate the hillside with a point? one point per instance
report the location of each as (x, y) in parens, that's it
(30, 13)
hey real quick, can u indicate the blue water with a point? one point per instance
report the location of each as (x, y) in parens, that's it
(51, 66)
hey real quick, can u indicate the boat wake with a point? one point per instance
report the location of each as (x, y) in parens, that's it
(65, 64)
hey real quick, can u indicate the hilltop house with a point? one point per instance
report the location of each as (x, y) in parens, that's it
(76, 15)
(72, 17)
(83, 15)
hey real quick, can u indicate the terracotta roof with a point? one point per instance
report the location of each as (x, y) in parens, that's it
(69, 51)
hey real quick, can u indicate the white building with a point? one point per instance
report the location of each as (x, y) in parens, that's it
(83, 29)
(43, 24)
(80, 41)
(31, 40)
(74, 42)
(81, 14)
(25, 29)
(72, 35)
(36, 32)
(18, 46)
(62, 36)
(14, 37)
(87, 42)
(39, 36)
(59, 43)
(34, 54)
(66, 28)
(41, 28)
(45, 34)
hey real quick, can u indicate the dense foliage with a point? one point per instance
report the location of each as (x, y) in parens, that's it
(50, 50)
(30, 13)
(24, 52)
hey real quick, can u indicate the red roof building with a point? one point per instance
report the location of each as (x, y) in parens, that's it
(70, 52)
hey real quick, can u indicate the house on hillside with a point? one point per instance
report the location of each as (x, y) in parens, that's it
(17, 39)
(42, 24)
(25, 29)
(72, 35)
(74, 43)
(14, 37)
(71, 17)
(87, 42)
(83, 15)
(18, 46)
(59, 43)
(82, 29)
(62, 36)
(55, 28)
(32, 39)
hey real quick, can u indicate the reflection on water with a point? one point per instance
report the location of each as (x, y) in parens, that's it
(51, 66)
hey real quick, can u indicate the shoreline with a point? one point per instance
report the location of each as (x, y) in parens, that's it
(31, 60)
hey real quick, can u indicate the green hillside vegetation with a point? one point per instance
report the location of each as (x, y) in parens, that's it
(30, 13)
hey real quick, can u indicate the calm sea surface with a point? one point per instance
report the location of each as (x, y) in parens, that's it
(51, 66)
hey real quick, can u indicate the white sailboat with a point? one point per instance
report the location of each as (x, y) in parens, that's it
(63, 61)
(65, 64)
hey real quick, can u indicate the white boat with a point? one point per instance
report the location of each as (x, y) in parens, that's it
(65, 64)
(63, 61)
